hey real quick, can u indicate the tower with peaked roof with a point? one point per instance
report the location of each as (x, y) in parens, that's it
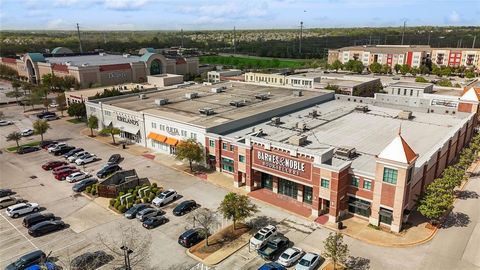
(469, 101)
(394, 172)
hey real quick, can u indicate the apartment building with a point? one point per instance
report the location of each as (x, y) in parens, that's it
(303, 80)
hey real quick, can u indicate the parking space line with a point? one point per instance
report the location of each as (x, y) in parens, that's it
(19, 232)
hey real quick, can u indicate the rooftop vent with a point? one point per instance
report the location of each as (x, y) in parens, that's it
(218, 89)
(162, 101)
(314, 113)
(362, 108)
(263, 96)
(85, 65)
(405, 115)
(102, 54)
(276, 121)
(126, 55)
(346, 152)
(297, 140)
(142, 96)
(297, 93)
(191, 95)
(301, 126)
(207, 111)
(238, 103)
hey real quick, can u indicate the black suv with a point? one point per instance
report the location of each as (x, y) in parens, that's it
(184, 207)
(191, 237)
(62, 150)
(27, 260)
(33, 219)
(109, 169)
(45, 113)
(27, 149)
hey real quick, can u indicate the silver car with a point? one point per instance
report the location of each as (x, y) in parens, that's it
(10, 200)
(148, 212)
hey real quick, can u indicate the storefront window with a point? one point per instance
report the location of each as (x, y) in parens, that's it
(390, 175)
(386, 216)
(184, 133)
(325, 183)
(307, 194)
(358, 206)
(227, 165)
(287, 188)
(267, 181)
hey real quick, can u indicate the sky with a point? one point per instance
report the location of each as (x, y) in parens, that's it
(243, 14)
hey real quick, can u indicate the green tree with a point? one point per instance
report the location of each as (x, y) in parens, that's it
(92, 123)
(15, 85)
(386, 69)
(206, 219)
(35, 97)
(436, 200)
(414, 71)
(77, 110)
(404, 69)
(112, 131)
(337, 65)
(189, 150)
(424, 69)
(237, 208)
(452, 177)
(446, 71)
(397, 68)
(335, 249)
(354, 66)
(40, 127)
(470, 74)
(61, 103)
(445, 83)
(375, 67)
(421, 80)
(14, 136)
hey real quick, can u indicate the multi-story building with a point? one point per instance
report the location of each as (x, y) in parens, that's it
(215, 76)
(409, 89)
(302, 80)
(455, 57)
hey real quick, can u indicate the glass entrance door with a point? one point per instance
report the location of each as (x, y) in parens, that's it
(287, 188)
(307, 194)
(267, 181)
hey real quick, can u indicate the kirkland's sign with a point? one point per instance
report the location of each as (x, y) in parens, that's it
(124, 119)
(283, 164)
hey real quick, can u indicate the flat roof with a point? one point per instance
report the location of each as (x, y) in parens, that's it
(185, 110)
(340, 125)
(456, 92)
(93, 60)
(411, 84)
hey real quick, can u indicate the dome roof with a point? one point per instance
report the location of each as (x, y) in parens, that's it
(36, 57)
(61, 50)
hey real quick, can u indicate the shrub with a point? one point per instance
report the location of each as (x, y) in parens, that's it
(138, 201)
(158, 192)
(120, 194)
(145, 185)
(116, 205)
(445, 82)
(421, 80)
(112, 202)
(94, 190)
(130, 190)
(122, 209)
(129, 205)
(154, 185)
(88, 189)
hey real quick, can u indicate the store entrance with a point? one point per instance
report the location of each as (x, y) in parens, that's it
(287, 188)
(267, 181)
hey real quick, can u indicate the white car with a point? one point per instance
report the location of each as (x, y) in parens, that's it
(262, 236)
(50, 117)
(53, 105)
(56, 146)
(290, 256)
(72, 159)
(85, 159)
(309, 261)
(21, 209)
(5, 123)
(165, 197)
(76, 176)
(26, 132)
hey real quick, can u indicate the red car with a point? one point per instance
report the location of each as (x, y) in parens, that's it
(53, 164)
(63, 174)
(64, 167)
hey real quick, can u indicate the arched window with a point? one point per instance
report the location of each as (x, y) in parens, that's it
(156, 67)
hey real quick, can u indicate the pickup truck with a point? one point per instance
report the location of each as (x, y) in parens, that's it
(273, 247)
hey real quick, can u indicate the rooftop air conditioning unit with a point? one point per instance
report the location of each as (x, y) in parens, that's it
(297, 140)
(191, 95)
(301, 126)
(238, 103)
(126, 55)
(142, 96)
(206, 111)
(297, 93)
(346, 152)
(161, 101)
(85, 65)
(261, 96)
(313, 113)
(218, 89)
(276, 121)
(405, 115)
(101, 54)
(362, 108)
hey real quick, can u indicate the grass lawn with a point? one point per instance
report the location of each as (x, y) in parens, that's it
(249, 62)
(14, 148)
(76, 120)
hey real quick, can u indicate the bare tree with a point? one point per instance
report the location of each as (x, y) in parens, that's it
(205, 219)
(137, 241)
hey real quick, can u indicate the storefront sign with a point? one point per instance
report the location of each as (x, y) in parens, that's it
(127, 120)
(172, 130)
(283, 164)
(114, 75)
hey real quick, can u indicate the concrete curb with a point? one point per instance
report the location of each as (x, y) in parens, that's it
(204, 261)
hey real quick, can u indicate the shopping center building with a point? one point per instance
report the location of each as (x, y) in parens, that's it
(332, 154)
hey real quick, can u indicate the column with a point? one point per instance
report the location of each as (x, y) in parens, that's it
(299, 193)
(237, 179)
(275, 184)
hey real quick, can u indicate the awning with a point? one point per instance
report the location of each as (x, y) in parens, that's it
(128, 129)
(157, 137)
(171, 141)
(107, 123)
(385, 212)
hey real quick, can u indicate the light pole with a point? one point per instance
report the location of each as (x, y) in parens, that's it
(126, 254)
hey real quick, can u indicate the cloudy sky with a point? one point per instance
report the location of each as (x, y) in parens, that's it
(225, 14)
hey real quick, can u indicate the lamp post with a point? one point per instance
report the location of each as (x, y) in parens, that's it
(126, 254)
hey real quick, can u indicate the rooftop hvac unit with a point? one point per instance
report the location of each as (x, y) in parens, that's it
(85, 65)
(101, 54)
(218, 89)
(313, 113)
(126, 55)
(276, 121)
(362, 108)
(301, 126)
(238, 103)
(346, 152)
(261, 96)
(206, 111)
(405, 115)
(160, 102)
(191, 95)
(297, 140)
(142, 96)
(297, 93)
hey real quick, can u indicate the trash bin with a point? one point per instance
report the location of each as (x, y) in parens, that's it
(340, 225)
(123, 146)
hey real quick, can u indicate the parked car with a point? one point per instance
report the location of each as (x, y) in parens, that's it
(72, 152)
(191, 237)
(50, 117)
(5, 123)
(46, 144)
(74, 157)
(62, 150)
(262, 236)
(85, 159)
(114, 159)
(309, 261)
(43, 266)
(27, 260)
(290, 256)
(45, 227)
(27, 132)
(90, 260)
(82, 185)
(35, 218)
(45, 113)
(107, 170)
(153, 222)
(63, 174)
(5, 192)
(53, 164)
(76, 176)
(27, 149)
(52, 147)
(149, 212)
(273, 247)
(272, 266)
(165, 197)
(132, 212)
(184, 207)
(21, 209)
(62, 168)
(10, 200)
